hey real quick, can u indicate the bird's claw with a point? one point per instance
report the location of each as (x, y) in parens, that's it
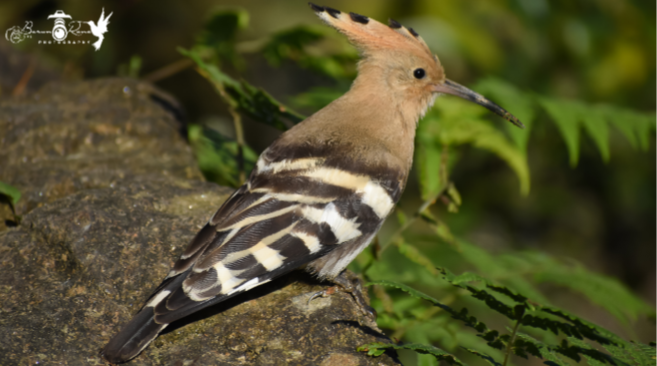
(352, 287)
(324, 293)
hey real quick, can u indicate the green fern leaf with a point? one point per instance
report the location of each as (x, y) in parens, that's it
(601, 290)
(11, 192)
(633, 353)
(578, 326)
(565, 115)
(595, 125)
(462, 315)
(487, 358)
(377, 349)
(519, 103)
(411, 291)
(216, 155)
(645, 129)
(637, 127)
(412, 253)
(244, 97)
(428, 161)
(593, 356)
(536, 348)
(318, 97)
(457, 122)
(641, 354)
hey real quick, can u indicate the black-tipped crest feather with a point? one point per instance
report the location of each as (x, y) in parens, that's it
(316, 8)
(333, 12)
(359, 18)
(394, 24)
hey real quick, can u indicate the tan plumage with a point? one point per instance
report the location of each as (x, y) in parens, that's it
(319, 193)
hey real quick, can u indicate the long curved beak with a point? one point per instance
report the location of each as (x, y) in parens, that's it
(450, 87)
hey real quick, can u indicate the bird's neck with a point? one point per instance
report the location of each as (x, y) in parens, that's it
(369, 124)
(375, 112)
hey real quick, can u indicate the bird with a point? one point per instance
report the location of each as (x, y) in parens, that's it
(320, 192)
(100, 29)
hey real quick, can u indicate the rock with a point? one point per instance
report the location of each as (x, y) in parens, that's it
(111, 195)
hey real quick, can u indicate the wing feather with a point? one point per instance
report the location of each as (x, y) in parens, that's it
(289, 214)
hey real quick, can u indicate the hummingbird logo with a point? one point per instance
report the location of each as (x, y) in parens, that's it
(100, 29)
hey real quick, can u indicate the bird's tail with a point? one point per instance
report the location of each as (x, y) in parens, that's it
(97, 43)
(133, 338)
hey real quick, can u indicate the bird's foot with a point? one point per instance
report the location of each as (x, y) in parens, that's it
(353, 287)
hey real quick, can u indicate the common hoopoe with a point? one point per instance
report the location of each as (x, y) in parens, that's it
(319, 193)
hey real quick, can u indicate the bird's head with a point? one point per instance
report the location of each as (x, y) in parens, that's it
(397, 61)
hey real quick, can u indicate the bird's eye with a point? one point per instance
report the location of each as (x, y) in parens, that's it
(419, 73)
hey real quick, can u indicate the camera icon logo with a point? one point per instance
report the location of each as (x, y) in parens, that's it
(59, 31)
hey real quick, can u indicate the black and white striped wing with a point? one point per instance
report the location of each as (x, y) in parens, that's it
(290, 213)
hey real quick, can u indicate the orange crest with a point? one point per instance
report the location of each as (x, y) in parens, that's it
(372, 37)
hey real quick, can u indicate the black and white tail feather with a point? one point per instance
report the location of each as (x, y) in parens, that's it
(294, 210)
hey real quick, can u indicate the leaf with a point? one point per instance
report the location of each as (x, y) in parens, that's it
(454, 195)
(637, 127)
(518, 103)
(245, 98)
(441, 229)
(318, 97)
(132, 68)
(595, 124)
(455, 122)
(645, 129)
(292, 43)
(503, 268)
(565, 115)
(462, 315)
(532, 345)
(604, 291)
(489, 359)
(220, 32)
(639, 353)
(377, 349)
(401, 217)
(289, 43)
(428, 163)
(411, 252)
(11, 192)
(411, 291)
(577, 326)
(217, 156)
(593, 356)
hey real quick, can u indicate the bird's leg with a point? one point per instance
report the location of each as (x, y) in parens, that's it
(351, 286)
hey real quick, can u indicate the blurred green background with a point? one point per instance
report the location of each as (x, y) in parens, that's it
(600, 213)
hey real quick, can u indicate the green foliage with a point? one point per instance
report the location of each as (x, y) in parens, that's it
(604, 291)
(504, 309)
(220, 33)
(569, 116)
(454, 122)
(523, 312)
(132, 68)
(245, 98)
(377, 349)
(10, 192)
(291, 44)
(217, 155)
(11, 195)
